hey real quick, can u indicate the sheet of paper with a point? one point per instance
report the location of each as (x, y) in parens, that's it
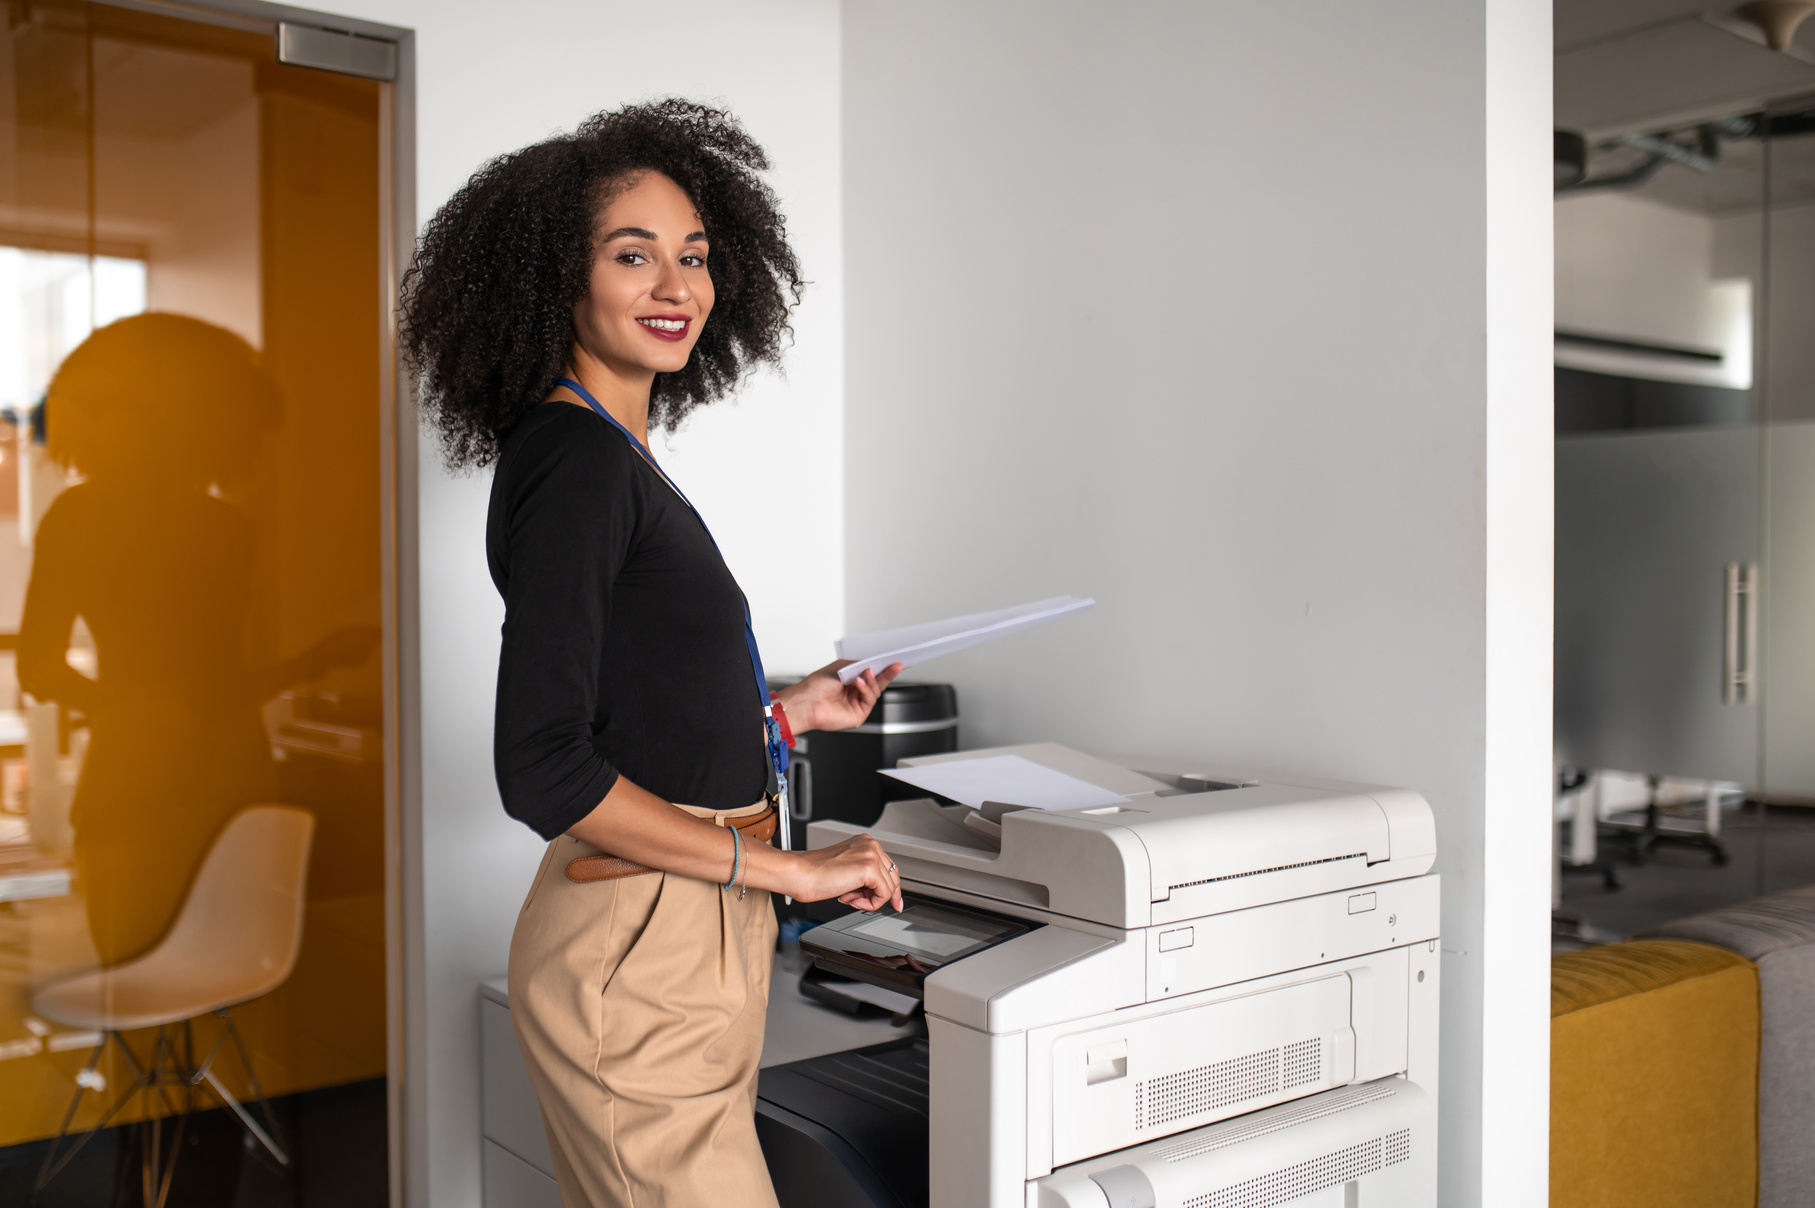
(1008, 779)
(918, 643)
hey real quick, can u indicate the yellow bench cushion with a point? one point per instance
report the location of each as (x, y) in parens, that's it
(1653, 1077)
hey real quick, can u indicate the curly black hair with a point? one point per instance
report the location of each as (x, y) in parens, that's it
(486, 311)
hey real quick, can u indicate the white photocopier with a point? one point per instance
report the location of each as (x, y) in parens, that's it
(1221, 993)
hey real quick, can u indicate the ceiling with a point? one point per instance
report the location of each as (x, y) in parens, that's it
(1641, 66)
(1576, 23)
(1625, 66)
(1739, 183)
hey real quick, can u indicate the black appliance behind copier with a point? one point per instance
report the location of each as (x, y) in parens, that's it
(837, 775)
(848, 1130)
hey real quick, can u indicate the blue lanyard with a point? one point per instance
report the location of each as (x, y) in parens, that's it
(778, 750)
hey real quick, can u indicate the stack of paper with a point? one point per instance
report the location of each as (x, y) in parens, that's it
(918, 643)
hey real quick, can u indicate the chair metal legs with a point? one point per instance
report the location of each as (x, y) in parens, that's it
(272, 1141)
(171, 1067)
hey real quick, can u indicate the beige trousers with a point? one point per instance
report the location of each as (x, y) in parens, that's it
(638, 1004)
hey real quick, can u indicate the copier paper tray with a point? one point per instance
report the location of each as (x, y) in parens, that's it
(848, 1130)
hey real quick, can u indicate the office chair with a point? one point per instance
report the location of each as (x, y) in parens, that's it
(236, 937)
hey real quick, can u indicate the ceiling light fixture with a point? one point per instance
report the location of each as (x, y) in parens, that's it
(1777, 18)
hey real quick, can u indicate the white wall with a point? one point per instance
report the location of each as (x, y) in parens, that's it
(1634, 268)
(491, 80)
(199, 223)
(1184, 306)
(1187, 307)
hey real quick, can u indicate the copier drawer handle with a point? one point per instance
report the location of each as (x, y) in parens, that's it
(1126, 1187)
(1106, 1062)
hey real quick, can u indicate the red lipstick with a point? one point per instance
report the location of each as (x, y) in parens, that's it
(668, 331)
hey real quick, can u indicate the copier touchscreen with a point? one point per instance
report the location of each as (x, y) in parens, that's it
(938, 935)
(899, 950)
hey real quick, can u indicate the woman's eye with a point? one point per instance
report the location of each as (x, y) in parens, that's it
(631, 258)
(693, 261)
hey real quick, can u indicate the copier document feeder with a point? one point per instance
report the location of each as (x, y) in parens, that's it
(1219, 993)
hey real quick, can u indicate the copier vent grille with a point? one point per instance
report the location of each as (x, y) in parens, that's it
(1261, 872)
(1303, 1063)
(1308, 1178)
(1206, 1088)
(1278, 1118)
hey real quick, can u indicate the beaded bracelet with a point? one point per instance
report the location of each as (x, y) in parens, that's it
(737, 861)
(740, 876)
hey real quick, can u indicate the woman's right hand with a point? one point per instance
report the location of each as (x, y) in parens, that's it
(634, 823)
(857, 872)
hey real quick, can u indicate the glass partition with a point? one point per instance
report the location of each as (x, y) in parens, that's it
(1685, 640)
(190, 371)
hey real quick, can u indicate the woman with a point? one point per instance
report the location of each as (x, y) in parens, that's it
(570, 297)
(163, 416)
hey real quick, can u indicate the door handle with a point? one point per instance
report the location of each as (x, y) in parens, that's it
(800, 789)
(1739, 654)
(1751, 587)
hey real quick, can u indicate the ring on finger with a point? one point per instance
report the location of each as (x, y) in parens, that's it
(891, 866)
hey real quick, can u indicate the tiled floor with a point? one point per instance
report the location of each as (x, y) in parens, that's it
(338, 1135)
(1768, 853)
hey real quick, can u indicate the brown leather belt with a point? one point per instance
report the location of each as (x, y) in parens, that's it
(759, 828)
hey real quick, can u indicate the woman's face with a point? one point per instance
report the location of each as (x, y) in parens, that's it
(650, 290)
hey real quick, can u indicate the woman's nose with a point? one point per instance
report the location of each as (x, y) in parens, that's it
(671, 286)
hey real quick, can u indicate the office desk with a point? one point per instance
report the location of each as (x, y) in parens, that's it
(26, 874)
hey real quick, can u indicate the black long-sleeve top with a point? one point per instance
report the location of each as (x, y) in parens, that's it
(623, 650)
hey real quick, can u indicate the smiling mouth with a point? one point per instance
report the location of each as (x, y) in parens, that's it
(664, 328)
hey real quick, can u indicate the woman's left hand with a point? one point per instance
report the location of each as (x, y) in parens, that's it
(820, 702)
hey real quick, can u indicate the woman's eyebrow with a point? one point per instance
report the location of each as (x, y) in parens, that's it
(643, 233)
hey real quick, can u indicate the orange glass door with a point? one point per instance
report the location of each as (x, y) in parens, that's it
(192, 772)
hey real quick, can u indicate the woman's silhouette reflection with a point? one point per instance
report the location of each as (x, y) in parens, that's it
(162, 416)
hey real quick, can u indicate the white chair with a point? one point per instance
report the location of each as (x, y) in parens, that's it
(236, 938)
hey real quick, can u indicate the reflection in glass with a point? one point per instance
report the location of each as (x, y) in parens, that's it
(49, 302)
(191, 362)
(162, 417)
(1685, 577)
